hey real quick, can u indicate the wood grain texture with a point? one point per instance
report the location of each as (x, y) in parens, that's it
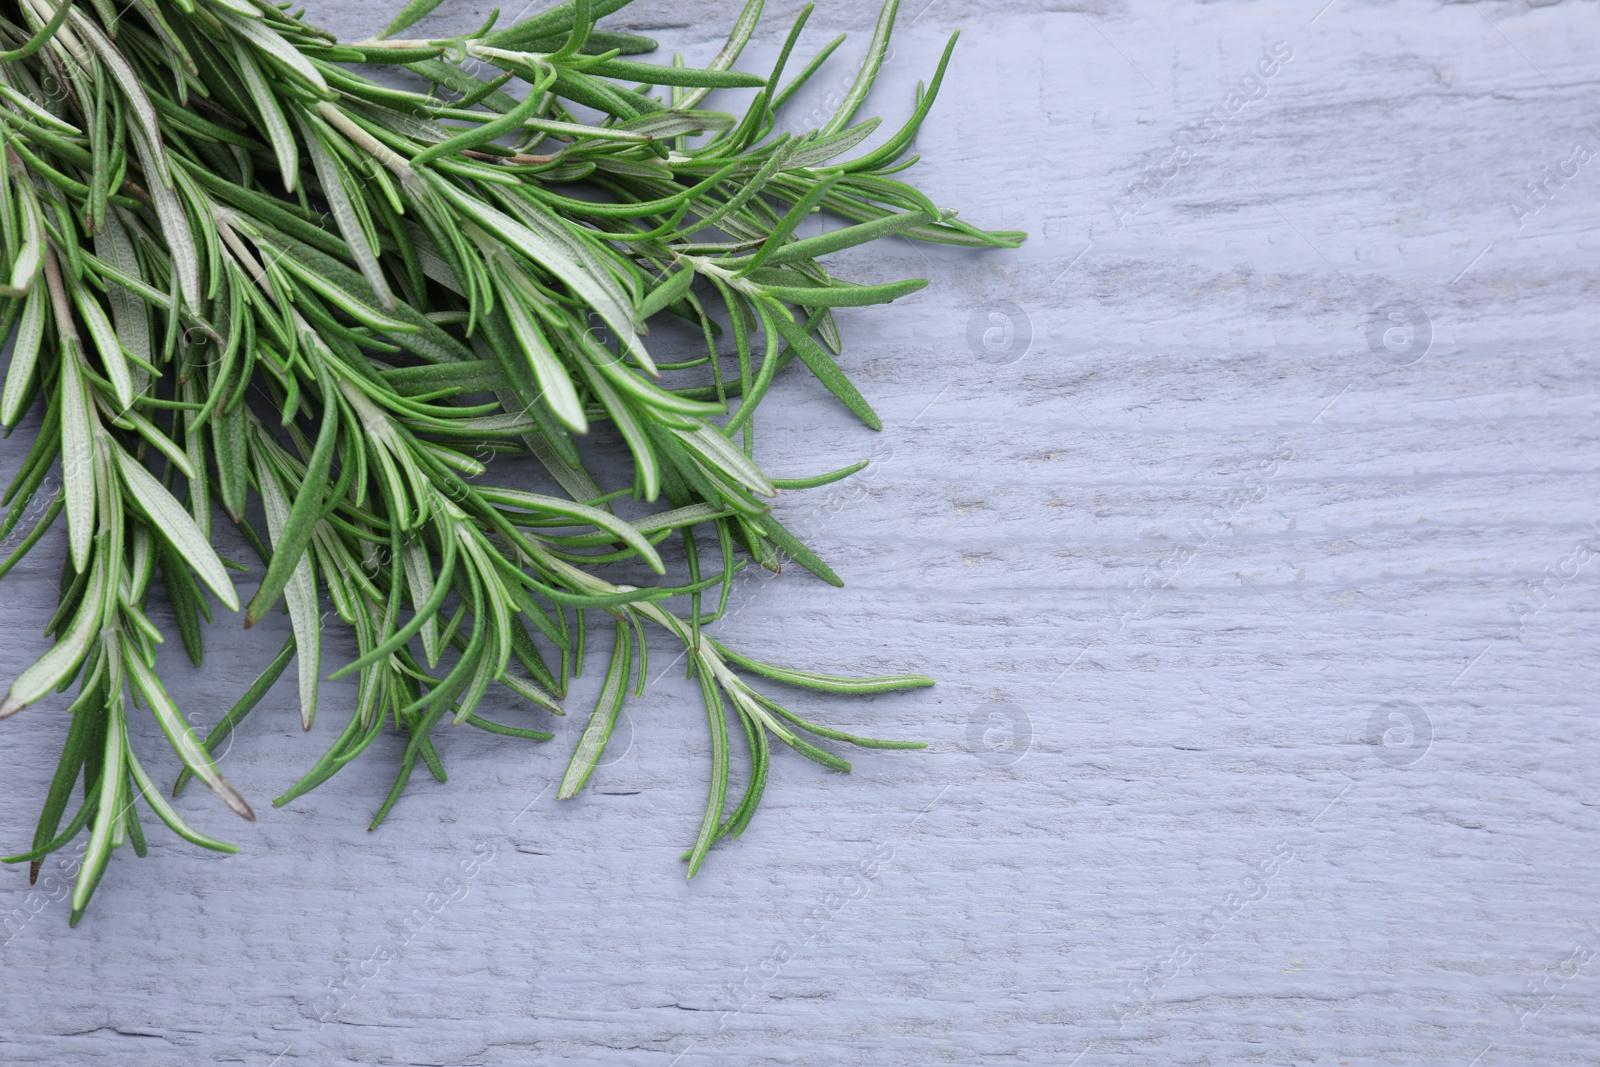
(1265, 649)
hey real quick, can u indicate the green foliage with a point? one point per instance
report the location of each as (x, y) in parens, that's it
(239, 270)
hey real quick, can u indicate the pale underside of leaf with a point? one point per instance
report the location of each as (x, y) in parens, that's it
(24, 357)
(175, 524)
(330, 173)
(301, 596)
(419, 578)
(104, 336)
(129, 314)
(593, 742)
(717, 451)
(31, 255)
(77, 462)
(55, 665)
(554, 384)
(174, 225)
(278, 132)
(182, 739)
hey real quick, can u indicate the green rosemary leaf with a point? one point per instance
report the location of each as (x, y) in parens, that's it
(821, 479)
(548, 255)
(272, 117)
(423, 615)
(129, 314)
(63, 660)
(760, 764)
(822, 149)
(161, 442)
(736, 203)
(592, 743)
(25, 267)
(175, 526)
(67, 770)
(402, 323)
(508, 123)
(471, 376)
(174, 228)
(269, 211)
(651, 74)
(826, 370)
(229, 438)
(676, 455)
(552, 22)
(825, 682)
(677, 518)
(719, 454)
(413, 12)
(743, 27)
(555, 387)
(77, 459)
(348, 211)
(167, 813)
(798, 550)
(868, 72)
(837, 295)
(183, 594)
(301, 520)
(24, 358)
(848, 237)
(582, 26)
(458, 80)
(717, 714)
(106, 343)
(300, 593)
(181, 736)
(79, 821)
(508, 731)
(627, 44)
(419, 580)
(35, 468)
(815, 754)
(669, 291)
(635, 431)
(107, 808)
(805, 74)
(338, 297)
(668, 407)
(132, 90)
(57, 504)
(597, 94)
(664, 125)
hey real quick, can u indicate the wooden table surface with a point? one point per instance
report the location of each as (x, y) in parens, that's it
(1247, 517)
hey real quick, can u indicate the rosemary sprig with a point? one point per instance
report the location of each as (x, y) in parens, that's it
(240, 271)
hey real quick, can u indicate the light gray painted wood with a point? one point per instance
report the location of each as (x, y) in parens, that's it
(1289, 634)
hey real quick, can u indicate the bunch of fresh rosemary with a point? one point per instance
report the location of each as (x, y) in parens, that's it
(239, 272)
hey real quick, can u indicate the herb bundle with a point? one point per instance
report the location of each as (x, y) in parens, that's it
(241, 273)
